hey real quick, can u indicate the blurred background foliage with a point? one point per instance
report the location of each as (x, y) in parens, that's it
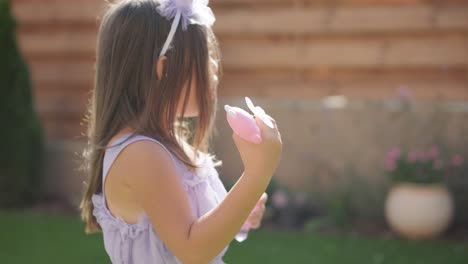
(21, 155)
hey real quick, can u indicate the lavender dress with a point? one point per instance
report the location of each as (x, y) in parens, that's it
(139, 243)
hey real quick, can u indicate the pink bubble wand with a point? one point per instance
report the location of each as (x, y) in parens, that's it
(244, 125)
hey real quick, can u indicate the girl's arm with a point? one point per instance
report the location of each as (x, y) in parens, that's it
(153, 178)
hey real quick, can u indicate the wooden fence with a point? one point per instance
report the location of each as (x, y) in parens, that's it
(271, 48)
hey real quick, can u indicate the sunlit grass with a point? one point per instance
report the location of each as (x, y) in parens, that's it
(31, 238)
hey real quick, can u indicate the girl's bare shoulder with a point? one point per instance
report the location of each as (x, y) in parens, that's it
(144, 155)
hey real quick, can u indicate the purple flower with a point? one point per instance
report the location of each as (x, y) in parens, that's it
(280, 199)
(433, 153)
(457, 160)
(394, 153)
(391, 159)
(390, 164)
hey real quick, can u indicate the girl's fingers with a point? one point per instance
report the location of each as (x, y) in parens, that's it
(267, 130)
(255, 218)
(264, 198)
(264, 129)
(255, 222)
(255, 225)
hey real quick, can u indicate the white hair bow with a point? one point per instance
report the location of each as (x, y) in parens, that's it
(187, 12)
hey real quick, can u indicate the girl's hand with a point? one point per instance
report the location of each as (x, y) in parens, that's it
(255, 218)
(261, 159)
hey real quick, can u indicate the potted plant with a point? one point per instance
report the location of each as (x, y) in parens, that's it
(419, 204)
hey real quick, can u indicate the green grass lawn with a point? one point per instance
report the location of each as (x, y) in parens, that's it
(30, 238)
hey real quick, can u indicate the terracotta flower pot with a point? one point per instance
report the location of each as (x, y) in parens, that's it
(419, 211)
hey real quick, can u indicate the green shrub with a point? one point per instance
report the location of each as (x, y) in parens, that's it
(21, 134)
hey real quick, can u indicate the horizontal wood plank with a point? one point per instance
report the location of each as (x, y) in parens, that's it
(296, 54)
(351, 53)
(59, 42)
(301, 3)
(60, 102)
(59, 128)
(343, 20)
(365, 88)
(286, 3)
(58, 11)
(273, 20)
(63, 73)
(71, 75)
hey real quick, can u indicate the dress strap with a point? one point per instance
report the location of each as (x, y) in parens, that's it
(113, 151)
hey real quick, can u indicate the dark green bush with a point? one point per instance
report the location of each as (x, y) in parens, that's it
(21, 148)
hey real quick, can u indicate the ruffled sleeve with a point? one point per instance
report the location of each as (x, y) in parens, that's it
(111, 223)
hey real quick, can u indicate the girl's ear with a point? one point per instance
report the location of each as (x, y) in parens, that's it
(160, 67)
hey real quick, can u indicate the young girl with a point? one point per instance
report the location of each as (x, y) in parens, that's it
(152, 187)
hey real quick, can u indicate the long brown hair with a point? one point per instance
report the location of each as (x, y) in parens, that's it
(127, 91)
